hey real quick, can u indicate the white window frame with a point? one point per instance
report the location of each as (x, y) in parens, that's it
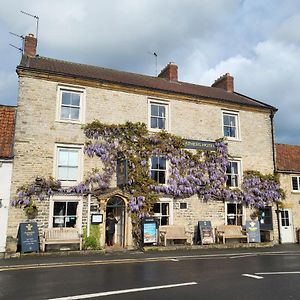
(160, 215)
(66, 199)
(236, 116)
(78, 148)
(235, 215)
(298, 183)
(71, 89)
(239, 174)
(167, 117)
(166, 170)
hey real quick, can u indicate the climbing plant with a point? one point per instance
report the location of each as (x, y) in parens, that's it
(201, 173)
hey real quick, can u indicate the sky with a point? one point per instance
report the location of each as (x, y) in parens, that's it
(257, 42)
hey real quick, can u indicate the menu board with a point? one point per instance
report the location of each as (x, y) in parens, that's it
(206, 232)
(28, 237)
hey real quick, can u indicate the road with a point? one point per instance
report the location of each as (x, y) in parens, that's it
(253, 275)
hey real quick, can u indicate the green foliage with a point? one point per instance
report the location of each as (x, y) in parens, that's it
(91, 242)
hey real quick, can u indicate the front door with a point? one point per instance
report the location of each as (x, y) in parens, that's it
(286, 226)
(116, 205)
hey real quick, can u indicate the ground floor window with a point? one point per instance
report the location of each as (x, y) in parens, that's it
(234, 214)
(161, 211)
(65, 213)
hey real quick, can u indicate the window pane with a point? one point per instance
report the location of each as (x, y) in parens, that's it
(154, 175)
(59, 208)
(58, 221)
(72, 174)
(63, 157)
(162, 111)
(154, 162)
(295, 183)
(162, 177)
(232, 121)
(161, 123)
(154, 110)
(162, 163)
(71, 221)
(66, 98)
(234, 167)
(165, 209)
(73, 158)
(65, 113)
(62, 173)
(154, 122)
(226, 120)
(74, 113)
(75, 99)
(72, 208)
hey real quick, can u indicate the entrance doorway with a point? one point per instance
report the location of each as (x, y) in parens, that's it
(286, 226)
(116, 205)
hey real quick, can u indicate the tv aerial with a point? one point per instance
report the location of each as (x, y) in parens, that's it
(37, 22)
(22, 38)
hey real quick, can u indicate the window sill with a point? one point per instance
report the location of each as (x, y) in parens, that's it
(70, 122)
(231, 139)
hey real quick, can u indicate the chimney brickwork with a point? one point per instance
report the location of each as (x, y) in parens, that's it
(225, 82)
(30, 45)
(169, 72)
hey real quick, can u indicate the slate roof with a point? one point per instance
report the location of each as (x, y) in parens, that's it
(39, 64)
(7, 131)
(288, 158)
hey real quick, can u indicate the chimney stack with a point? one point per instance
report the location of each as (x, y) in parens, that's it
(30, 44)
(224, 82)
(169, 72)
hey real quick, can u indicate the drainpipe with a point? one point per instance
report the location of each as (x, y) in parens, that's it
(89, 213)
(272, 114)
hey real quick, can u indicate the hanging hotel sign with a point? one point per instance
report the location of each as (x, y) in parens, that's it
(201, 145)
(122, 172)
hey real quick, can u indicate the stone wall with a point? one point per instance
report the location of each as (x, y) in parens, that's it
(37, 132)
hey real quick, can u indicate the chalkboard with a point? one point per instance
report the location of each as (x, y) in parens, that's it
(253, 230)
(28, 237)
(205, 232)
(150, 232)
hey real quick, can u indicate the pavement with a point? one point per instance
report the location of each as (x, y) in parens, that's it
(148, 252)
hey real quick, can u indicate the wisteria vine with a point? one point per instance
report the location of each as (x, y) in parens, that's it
(202, 173)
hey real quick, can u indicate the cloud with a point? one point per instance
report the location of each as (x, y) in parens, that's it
(256, 41)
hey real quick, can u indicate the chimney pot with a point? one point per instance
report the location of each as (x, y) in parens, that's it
(225, 82)
(30, 44)
(169, 72)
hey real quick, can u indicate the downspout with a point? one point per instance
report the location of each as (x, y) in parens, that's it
(272, 114)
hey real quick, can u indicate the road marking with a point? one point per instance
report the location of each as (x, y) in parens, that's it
(278, 273)
(242, 256)
(252, 276)
(109, 293)
(137, 260)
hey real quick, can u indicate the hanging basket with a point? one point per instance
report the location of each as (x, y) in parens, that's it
(31, 211)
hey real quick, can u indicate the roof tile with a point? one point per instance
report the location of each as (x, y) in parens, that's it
(7, 129)
(288, 158)
(41, 64)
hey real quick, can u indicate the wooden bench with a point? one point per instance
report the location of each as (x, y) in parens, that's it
(224, 232)
(61, 236)
(174, 232)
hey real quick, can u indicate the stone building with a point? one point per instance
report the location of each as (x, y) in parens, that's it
(288, 170)
(7, 129)
(57, 97)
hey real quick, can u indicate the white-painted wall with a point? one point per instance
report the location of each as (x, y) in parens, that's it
(5, 182)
